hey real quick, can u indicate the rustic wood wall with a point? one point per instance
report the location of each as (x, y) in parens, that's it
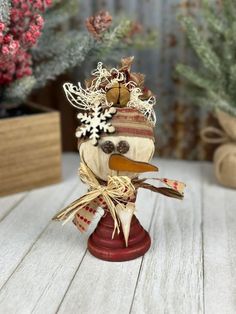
(178, 123)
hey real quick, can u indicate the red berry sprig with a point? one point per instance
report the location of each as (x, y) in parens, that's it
(18, 36)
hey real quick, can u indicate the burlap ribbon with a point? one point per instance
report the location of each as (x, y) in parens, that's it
(225, 155)
(118, 190)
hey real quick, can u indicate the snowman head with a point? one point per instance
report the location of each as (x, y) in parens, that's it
(117, 117)
(133, 138)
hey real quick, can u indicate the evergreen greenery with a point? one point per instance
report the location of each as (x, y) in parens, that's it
(214, 43)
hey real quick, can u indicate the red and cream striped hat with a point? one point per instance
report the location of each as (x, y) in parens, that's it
(130, 122)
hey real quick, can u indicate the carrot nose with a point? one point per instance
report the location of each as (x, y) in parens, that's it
(121, 163)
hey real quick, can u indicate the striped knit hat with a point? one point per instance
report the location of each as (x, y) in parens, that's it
(130, 122)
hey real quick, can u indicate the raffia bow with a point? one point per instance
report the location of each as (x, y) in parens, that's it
(118, 188)
(118, 191)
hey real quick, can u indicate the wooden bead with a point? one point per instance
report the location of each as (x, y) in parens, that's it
(118, 94)
(123, 147)
(108, 147)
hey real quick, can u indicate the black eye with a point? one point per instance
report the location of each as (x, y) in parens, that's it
(108, 147)
(122, 147)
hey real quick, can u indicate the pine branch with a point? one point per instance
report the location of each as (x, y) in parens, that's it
(19, 90)
(208, 57)
(214, 22)
(74, 55)
(55, 43)
(113, 39)
(229, 9)
(211, 104)
(60, 13)
(5, 7)
(233, 31)
(220, 103)
(217, 55)
(75, 52)
(232, 85)
(228, 54)
(191, 75)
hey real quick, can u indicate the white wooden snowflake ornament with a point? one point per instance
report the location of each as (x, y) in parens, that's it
(96, 122)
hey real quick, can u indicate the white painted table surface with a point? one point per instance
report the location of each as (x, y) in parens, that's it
(190, 268)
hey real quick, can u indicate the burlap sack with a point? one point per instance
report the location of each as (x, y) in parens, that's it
(225, 165)
(228, 124)
(225, 156)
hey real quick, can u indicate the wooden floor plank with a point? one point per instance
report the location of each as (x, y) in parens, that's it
(21, 228)
(104, 287)
(7, 203)
(40, 281)
(219, 210)
(171, 278)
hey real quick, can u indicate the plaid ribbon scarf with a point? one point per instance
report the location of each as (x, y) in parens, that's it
(118, 190)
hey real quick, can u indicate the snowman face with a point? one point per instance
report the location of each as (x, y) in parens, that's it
(97, 157)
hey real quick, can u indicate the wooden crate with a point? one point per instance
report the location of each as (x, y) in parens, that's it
(30, 151)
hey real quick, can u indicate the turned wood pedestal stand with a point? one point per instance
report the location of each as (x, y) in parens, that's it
(101, 244)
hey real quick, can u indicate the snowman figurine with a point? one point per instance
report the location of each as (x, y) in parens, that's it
(116, 144)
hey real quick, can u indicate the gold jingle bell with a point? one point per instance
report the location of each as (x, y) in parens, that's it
(118, 94)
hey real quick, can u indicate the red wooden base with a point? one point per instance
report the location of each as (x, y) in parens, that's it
(101, 244)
